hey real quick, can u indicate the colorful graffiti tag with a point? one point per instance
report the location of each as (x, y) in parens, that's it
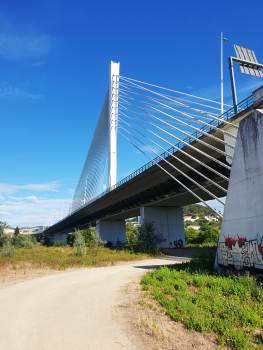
(241, 254)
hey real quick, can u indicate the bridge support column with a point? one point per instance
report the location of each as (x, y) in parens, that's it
(60, 237)
(240, 246)
(169, 220)
(112, 230)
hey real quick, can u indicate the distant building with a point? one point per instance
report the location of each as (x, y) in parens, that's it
(211, 218)
(190, 218)
(9, 231)
(194, 227)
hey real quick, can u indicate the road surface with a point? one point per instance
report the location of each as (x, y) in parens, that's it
(72, 310)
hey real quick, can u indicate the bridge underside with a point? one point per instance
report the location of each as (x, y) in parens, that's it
(153, 187)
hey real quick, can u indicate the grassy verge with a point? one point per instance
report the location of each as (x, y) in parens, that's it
(207, 301)
(63, 258)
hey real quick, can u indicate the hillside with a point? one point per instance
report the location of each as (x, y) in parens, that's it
(197, 210)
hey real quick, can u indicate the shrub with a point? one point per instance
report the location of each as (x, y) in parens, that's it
(191, 236)
(7, 249)
(24, 241)
(131, 233)
(79, 245)
(58, 244)
(149, 237)
(45, 241)
(90, 236)
(70, 239)
(210, 234)
(206, 234)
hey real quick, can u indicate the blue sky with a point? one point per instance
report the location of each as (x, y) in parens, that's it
(54, 59)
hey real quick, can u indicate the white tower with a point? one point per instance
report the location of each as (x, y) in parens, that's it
(113, 122)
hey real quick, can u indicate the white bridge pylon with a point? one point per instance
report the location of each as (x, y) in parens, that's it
(113, 122)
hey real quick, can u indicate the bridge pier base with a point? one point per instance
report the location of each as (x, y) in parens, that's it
(60, 237)
(240, 246)
(112, 231)
(170, 221)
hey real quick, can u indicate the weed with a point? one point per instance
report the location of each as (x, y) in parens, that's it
(205, 300)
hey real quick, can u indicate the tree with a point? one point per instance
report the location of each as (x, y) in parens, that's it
(192, 236)
(90, 236)
(131, 233)
(16, 231)
(149, 237)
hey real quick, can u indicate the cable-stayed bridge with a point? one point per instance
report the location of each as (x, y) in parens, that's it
(189, 146)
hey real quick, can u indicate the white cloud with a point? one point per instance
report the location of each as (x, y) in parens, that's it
(4, 214)
(33, 211)
(16, 46)
(37, 64)
(32, 198)
(2, 198)
(9, 189)
(11, 92)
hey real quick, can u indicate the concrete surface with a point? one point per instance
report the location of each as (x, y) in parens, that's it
(71, 310)
(169, 220)
(241, 235)
(112, 230)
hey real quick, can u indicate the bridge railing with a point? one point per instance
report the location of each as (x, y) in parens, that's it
(225, 116)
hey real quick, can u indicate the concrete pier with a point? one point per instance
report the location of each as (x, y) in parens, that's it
(240, 247)
(169, 220)
(112, 230)
(60, 237)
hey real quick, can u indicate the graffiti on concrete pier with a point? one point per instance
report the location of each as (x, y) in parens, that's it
(241, 254)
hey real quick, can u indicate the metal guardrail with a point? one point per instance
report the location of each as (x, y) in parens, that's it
(225, 116)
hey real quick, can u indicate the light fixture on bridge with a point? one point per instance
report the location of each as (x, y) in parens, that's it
(248, 65)
(222, 102)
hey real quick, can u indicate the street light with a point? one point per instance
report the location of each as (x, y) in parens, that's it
(222, 104)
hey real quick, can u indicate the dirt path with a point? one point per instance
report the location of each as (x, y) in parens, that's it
(71, 310)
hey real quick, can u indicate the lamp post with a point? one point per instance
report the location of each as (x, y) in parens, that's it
(222, 99)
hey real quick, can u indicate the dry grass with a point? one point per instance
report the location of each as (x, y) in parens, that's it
(147, 321)
(27, 264)
(10, 274)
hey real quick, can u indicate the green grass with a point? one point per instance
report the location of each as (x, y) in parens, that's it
(61, 258)
(207, 301)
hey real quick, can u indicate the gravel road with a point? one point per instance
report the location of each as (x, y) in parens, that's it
(71, 310)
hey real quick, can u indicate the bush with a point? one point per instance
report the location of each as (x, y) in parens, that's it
(191, 236)
(7, 248)
(58, 244)
(149, 237)
(90, 236)
(79, 245)
(45, 241)
(131, 233)
(206, 234)
(24, 241)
